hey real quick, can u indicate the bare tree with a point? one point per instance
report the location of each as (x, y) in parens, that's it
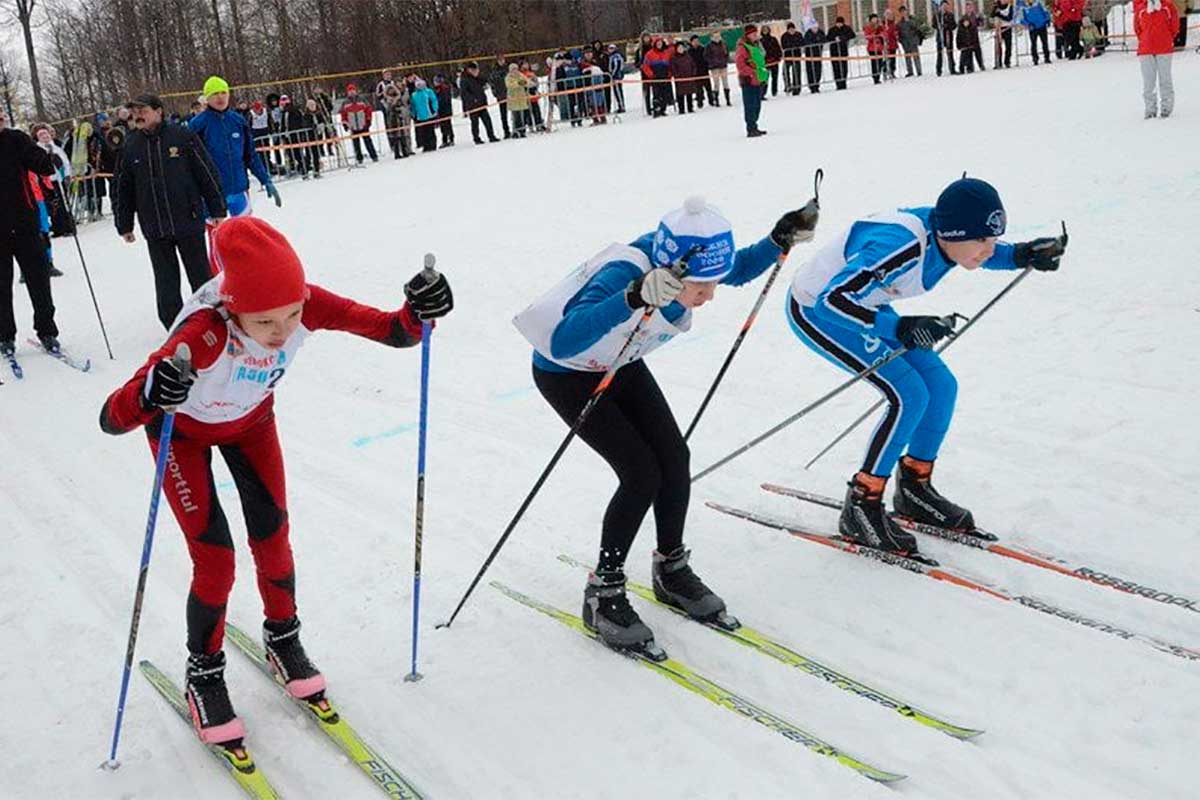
(8, 82)
(24, 15)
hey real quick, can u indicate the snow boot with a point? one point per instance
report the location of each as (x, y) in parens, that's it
(727, 101)
(285, 654)
(677, 585)
(607, 612)
(916, 499)
(208, 699)
(864, 520)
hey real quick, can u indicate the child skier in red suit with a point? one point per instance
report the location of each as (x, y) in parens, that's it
(244, 328)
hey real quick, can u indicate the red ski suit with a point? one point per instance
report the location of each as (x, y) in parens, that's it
(248, 443)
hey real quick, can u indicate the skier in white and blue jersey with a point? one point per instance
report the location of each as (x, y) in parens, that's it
(577, 330)
(839, 305)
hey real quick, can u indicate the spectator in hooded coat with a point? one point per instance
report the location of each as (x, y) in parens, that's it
(445, 114)
(518, 100)
(716, 57)
(967, 40)
(774, 54)
(397, 116)
(840, 36)
(656, 68)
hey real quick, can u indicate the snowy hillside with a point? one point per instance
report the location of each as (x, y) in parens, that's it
(1075, 432)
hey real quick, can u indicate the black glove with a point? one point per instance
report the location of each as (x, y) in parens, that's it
(429, 295)
(922, 333)
(1042, 254)
(165, 386)
(796, 226)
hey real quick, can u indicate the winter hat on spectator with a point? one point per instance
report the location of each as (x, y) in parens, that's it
(351, 88)
(284, 100)
(696, 223)
(750, 28)
(215, 85)
(260, 270)
(969, 209)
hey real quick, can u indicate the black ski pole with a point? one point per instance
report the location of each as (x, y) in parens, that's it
(1025, 272)
(820, 401)
(83, 263)
(749, 323)
(680, 268)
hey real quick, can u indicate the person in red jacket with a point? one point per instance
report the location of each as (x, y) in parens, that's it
(1072, 16)
(244, 328)
(356, 118)
(875, 38)
(1156, 23)
(656, 69)
(891, 42)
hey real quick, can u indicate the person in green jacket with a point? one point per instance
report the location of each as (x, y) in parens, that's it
(752, 74)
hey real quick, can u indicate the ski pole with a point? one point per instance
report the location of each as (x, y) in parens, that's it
(1025, 272)
(680, 268)
(762, 296)
(950, 320)
(86, 274)
(426, 333)
(183, 363)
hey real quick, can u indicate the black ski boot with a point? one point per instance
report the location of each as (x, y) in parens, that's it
(208, 699)
(607, 612)
(8, 348)
(677, 585)
(288, 660)
(50, 344)
(864, 520)
(916, 499)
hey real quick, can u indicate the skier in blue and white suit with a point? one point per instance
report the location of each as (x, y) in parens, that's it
(839, 305)
(577, 330)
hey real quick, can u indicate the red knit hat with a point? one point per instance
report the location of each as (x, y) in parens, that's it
(750, 28)
(260, 269)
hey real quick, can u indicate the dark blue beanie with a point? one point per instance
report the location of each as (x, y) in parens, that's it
(969, 209)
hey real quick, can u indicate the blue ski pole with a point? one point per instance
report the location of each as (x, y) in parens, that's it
(426, 334)
(183, 362)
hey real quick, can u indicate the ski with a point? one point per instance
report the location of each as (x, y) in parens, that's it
(330, 721)
(241, 765)
(15, 366)
(988, 543)
(63, 356)
(684, 676)
(768, 646)
(801, 532)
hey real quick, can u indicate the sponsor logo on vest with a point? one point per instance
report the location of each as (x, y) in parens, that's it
(172, 152)
(182, 489)
(235, 347)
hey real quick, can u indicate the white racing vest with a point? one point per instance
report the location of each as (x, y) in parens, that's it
(814, 276)
(538, 322)
(245, 373)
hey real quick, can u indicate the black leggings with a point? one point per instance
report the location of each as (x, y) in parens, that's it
(633, 429)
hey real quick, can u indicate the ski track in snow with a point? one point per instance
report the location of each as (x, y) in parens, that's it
(1075, 431)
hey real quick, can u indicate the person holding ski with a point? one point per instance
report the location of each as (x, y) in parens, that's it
(226, 136)
(840, 307)
(642, 295)
(244, 328)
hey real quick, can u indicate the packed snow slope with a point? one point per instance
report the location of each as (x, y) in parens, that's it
(1075, 432)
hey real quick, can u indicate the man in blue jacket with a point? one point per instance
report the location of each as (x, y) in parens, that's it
(1035, 17)
(226, 137)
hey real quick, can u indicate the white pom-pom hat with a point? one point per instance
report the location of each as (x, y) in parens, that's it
(696, 223)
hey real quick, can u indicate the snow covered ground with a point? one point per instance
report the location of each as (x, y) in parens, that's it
(1075, 431)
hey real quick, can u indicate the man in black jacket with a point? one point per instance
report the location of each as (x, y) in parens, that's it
(500, 91)
(20, 236)
(792, 43)
(167, 179)
(473, 89)
(840, 36)
(774, 55)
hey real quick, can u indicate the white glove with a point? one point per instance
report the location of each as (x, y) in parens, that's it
(657, 288)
